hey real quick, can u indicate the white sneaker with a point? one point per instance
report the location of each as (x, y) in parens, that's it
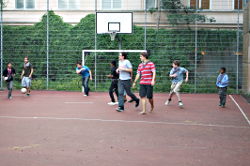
(112, 103)
(180, 104)
(116, 103)
(85, 95)
(167, 102)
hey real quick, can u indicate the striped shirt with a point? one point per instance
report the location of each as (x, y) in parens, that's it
(146, 71)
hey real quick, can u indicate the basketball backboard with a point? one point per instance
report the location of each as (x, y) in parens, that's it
(114, 22)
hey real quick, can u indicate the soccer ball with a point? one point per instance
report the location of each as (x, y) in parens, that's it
(5, 78)
(23, 90)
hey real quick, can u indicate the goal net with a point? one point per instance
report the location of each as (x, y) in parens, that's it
(99, 63)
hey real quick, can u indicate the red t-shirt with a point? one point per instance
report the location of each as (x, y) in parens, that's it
(146, 70)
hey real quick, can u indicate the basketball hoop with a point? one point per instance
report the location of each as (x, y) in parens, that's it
(112, 35)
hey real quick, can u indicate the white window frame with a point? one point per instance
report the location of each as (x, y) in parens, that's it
(200, 5)
(78, 7)
(24, 6)
(112, 5)
(155, 6)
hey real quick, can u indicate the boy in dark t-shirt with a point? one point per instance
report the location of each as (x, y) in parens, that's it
(27, 75)
(114, 83)
(8, 75)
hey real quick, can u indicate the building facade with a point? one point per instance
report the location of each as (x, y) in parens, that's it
(28, 12)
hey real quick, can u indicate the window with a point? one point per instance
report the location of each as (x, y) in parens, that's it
(150, 4)
(68, 4)
(25, 4)
(202, 4)
(111, 4)
(236, 3)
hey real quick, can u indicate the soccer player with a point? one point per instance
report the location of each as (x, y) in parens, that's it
(86, 74)
(147, 73)
(114, 83)
(124, 83)
(176, 74)
(26, 75)
(8, 75)
(222, 84)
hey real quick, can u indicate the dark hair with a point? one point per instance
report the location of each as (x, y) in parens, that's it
(145, 54)
(113, 63)
(124, 54)
(78, 63)
(177, 63)
(223, 69)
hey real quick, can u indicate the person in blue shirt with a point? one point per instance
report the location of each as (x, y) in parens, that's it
(176, 74)
(86, 74)
(222, 84)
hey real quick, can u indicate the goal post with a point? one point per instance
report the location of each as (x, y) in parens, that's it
(85, 52)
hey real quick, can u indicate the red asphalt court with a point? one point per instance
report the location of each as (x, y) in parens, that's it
(53, 128)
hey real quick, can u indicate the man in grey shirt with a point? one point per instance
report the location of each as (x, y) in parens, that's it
(124, 84)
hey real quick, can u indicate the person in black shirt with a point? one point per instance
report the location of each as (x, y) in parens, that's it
(114, 83)
(8, 75)
(27, 75)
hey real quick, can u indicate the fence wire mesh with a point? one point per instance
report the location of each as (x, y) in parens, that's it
(203, 34)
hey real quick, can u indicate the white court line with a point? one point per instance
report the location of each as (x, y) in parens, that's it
(129, 121)
(241, 110)
(73, 102)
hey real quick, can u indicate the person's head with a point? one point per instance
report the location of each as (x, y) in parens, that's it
(113, 63)
(175, 64)
(123, 55)
(144, 56)
(222, 70)
(79, 65)
(26, 59)
(9, 65)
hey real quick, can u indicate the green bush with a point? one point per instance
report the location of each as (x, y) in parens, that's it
(66, 43)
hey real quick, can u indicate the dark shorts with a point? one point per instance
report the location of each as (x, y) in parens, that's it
(146, 91)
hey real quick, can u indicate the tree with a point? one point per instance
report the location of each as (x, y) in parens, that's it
(179, 14)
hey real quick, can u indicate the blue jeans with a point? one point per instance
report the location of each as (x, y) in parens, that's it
(125, 85)
(85, 84)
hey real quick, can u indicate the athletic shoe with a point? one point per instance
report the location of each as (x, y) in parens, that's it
(27, 94)
(131, 101)
(137, 103)
(112, 103)
(116, 103)
(223, 106)
(180, 104)
(10, 97)
(119, 109)
(167, 102)
(85, 95)
(143, 113)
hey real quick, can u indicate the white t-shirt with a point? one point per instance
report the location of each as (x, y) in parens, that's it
(124, 75)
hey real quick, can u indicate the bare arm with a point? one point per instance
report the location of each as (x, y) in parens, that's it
(153, 79)
(32, 70)
(187, 74)
(22, 74)
(90, 75)
(125, 69)
(136, 78)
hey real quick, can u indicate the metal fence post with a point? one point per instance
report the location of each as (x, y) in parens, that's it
(95, 42)
(237, 48)
(1, 52)
(145, 25)
(196, 49)
(47, 46)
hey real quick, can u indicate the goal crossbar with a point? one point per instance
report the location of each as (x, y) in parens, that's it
(110, 51)
(95, 51)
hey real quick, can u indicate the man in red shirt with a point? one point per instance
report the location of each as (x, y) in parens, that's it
(147, 73)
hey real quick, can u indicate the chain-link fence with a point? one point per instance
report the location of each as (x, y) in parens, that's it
(203, 34)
